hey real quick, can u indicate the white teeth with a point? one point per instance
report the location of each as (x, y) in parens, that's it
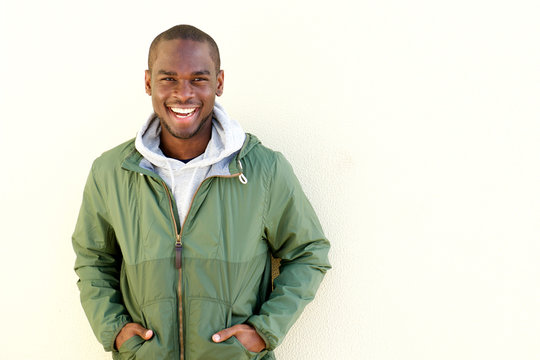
(183, 111)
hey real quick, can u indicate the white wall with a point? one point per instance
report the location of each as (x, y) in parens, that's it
(413, 125)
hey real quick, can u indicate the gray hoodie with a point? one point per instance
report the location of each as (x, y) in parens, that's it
(184, 179)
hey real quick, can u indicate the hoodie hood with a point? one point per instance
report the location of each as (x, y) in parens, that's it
(227, 138)
(184, 178)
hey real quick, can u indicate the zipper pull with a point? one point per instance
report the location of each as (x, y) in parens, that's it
(178, 251)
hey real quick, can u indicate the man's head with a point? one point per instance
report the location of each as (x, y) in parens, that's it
(183, 79)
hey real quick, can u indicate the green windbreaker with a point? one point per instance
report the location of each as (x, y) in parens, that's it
(128, 236)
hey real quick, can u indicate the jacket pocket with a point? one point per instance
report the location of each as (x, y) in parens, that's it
(129, 348)
(159, 316)
(205, 317)
(251, 354)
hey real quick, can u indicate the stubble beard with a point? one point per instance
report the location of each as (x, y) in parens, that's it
(183, 136)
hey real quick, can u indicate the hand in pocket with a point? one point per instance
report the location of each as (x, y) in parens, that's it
(246, 334)
(132, 329)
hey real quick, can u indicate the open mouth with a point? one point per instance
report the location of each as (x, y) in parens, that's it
(183, 113)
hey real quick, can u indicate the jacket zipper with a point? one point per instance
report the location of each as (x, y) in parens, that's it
(178, 264)
(178, 245)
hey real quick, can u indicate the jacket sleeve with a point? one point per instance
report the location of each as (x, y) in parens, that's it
(295, 236)
(97, 265)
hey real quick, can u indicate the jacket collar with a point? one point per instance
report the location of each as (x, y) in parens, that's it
(133, 159)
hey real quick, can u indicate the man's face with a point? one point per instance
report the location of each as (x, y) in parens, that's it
(183, 84)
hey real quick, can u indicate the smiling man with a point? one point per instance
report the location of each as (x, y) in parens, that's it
(178, 226)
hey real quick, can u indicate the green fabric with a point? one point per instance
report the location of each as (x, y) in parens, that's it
(124, 242)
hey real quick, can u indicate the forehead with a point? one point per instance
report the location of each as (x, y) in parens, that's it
(183, 55)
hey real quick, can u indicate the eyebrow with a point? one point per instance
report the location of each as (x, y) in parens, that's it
(201, 72)
(195, 73)
(163, 72)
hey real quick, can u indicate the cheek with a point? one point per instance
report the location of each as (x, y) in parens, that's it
(159, 94)
(207, 93)
(157, 103)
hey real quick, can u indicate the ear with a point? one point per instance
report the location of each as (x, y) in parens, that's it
(147, 82)
(220, 80)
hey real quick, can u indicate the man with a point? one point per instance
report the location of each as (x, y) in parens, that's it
(177, 226)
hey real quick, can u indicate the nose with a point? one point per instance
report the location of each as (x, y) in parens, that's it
(183, 90)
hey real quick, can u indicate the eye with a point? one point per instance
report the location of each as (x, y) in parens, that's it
(168, 79)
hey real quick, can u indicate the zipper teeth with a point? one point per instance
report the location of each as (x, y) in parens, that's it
(179, 243)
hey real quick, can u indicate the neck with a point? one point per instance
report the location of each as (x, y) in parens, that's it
(182, 149)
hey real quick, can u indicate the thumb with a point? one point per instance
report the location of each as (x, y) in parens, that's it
(223, 335)
(142, 332)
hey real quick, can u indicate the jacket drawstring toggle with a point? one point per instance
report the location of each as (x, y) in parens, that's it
(243, 179)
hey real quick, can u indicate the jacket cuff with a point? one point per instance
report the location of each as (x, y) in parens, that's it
(109, 337)
(270, 339)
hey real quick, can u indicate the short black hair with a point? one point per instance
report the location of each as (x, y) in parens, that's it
(185, 32)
